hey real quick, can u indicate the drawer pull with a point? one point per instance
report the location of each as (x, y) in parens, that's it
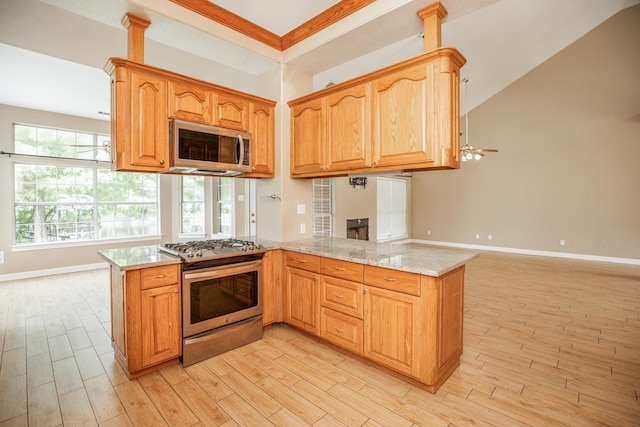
(389, 279)
(339, 330)
(160, 276)
(339, 296)
(339, 268)
(302, 261)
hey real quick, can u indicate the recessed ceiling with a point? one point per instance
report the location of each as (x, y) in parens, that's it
(501, 39)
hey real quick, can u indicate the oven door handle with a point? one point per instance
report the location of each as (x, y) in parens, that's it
(223, 270)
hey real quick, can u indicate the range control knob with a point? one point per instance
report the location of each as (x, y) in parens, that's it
(189, 254)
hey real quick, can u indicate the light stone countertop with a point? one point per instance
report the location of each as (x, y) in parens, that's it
(415, 258)
(135, 257)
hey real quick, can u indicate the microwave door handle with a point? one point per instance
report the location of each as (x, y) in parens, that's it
(240, 149)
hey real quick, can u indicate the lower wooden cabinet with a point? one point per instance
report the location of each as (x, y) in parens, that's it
(342, 330)
(391, 329)
(146, 328)
(303, 292)
(407, 322)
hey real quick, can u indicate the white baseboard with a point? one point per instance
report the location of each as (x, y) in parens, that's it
(632, 261)
(52, 271)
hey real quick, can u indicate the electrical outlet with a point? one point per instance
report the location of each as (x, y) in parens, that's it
(477, 237)
(428, 232)
(241, 197)
(301, 208)
(1, 257)
(489, 237)
(561, 242)
(303, 228)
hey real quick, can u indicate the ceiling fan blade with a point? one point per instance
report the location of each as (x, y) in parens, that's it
(487, 150)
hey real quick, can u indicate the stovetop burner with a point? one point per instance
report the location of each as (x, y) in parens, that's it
(209, 249)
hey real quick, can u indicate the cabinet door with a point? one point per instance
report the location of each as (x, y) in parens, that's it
(262, 122)
(118, 312)
(400, 117)
(272, 306)
(307, 137)
(149, 144)
(231, 111)
(190, 102)
(391, 329)
(303, 300)
(160, 324)
(348, 129)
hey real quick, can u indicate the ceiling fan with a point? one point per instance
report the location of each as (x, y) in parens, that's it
(469, 152)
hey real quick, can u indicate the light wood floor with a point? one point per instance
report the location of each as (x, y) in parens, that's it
(547, 342)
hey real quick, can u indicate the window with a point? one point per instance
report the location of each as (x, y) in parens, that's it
(193, 205)
(204, 198)
(225, 206)
(322, 206)
(392, 208)
(63, 197)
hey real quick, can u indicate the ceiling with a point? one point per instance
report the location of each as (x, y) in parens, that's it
(501, 39)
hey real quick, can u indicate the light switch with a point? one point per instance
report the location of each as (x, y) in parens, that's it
(301, 208)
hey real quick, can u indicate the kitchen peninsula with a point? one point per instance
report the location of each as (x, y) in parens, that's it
(400, 306)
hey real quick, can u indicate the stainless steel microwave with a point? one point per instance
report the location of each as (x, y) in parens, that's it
(203, 149)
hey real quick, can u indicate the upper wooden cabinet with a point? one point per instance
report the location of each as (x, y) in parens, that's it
(232, 111)
(190, 102)
(141, 144)
(261, 126)
(145, 98)
(332, 133)
(405, 116)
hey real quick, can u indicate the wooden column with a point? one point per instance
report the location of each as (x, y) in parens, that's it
(135, 41)
(432, 16)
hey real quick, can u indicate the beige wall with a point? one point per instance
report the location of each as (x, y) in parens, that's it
(569, 139)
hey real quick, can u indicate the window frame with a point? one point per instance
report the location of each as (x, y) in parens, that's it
(211, 209)
(94, 165)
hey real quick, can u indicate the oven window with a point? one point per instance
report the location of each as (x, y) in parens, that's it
(213, 298)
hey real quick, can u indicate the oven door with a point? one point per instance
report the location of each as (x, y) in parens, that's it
(218, 296)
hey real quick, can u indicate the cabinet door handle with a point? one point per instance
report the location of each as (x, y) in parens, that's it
(389, 279)
(175, 290)
(161, 276)
(364, 291)
(315, 278)
(162, 162)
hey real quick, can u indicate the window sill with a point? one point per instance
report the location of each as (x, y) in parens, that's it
(77, 243)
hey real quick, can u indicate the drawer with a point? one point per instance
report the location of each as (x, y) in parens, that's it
(393, 280)
(342, 330)
(342, 295)
(342, 269)
(153, 277)
(303, 261)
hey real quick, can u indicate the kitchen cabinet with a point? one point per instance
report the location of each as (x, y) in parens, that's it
(272, 294)
(190, 102)
(144, 99)
(405, 116)
(303, 292)
(262, 129)
(342, 304)
(146, 317)
(332, 134)
(408, 322)
(391, 327)
(231, 111)
(141, 144)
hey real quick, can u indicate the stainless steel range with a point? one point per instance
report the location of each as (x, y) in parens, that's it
(221, 295)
